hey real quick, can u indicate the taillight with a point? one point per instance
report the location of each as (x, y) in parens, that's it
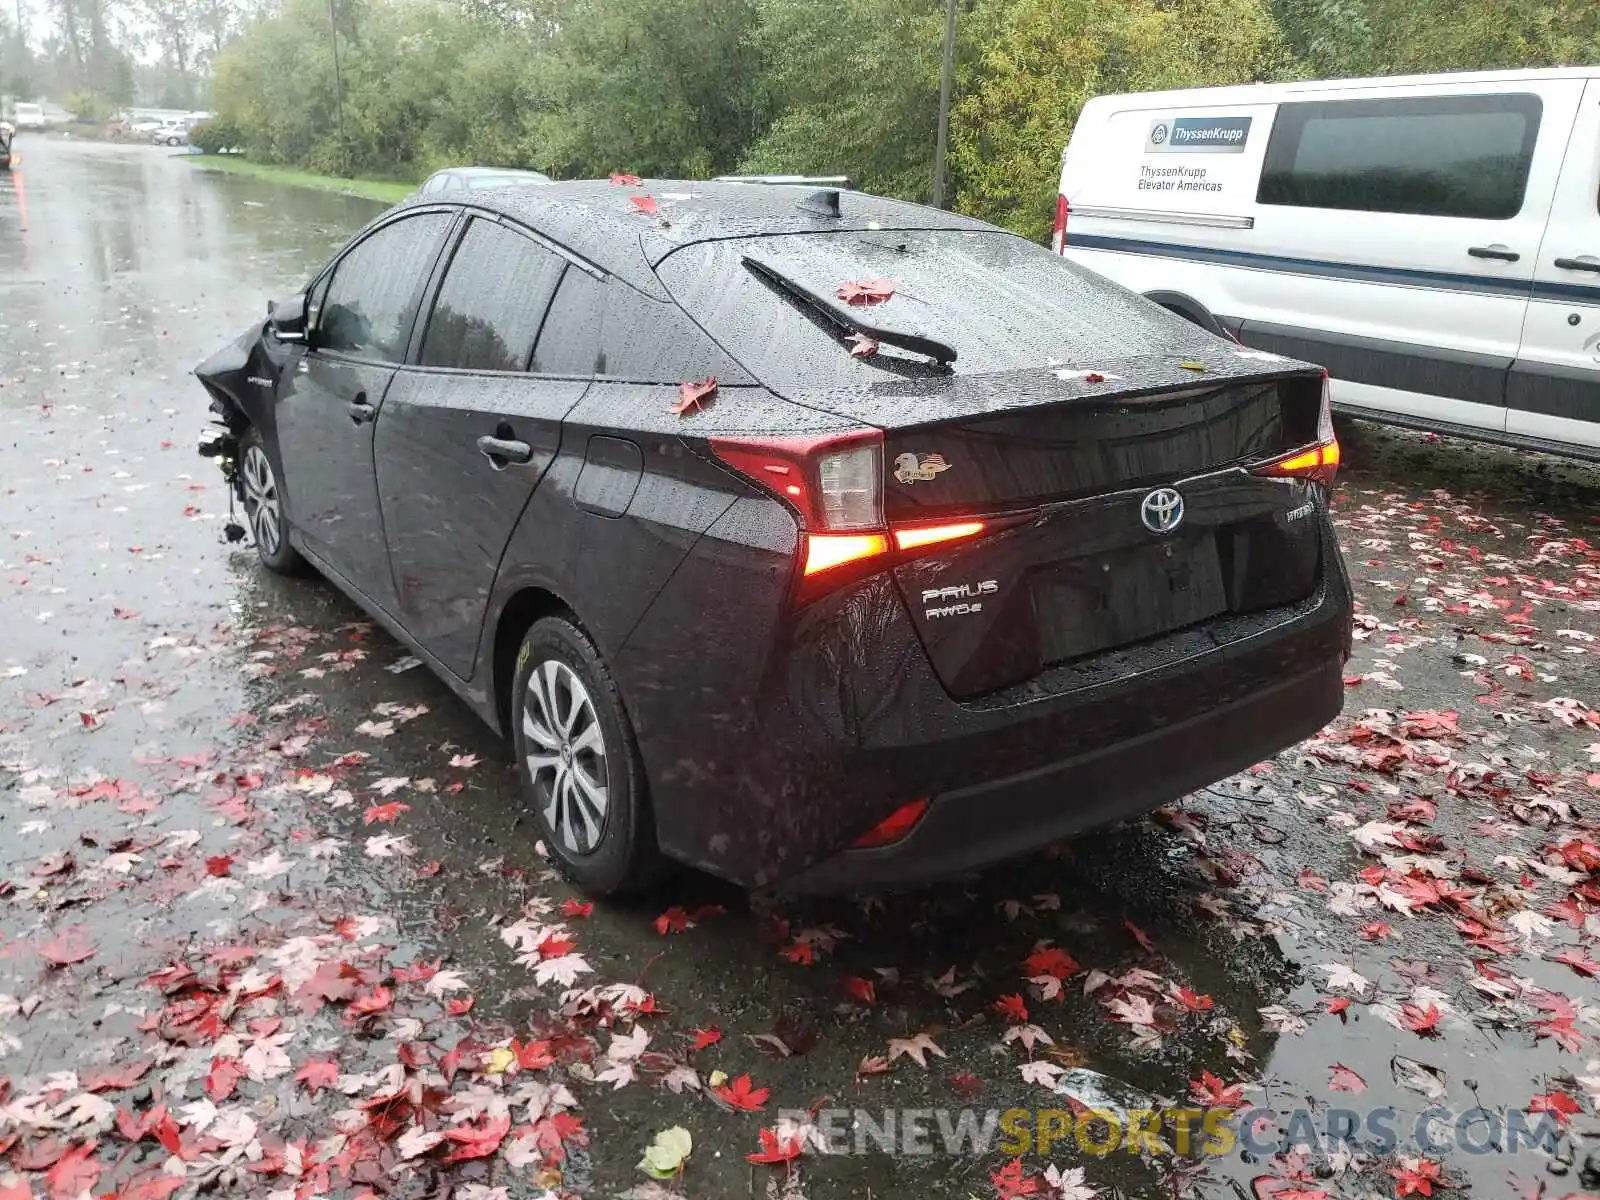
(834, 483)
(896, 827)
(910, 537)
(1059, 239)
(1321, 461)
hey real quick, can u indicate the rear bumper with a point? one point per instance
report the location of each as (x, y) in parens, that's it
(991, 822)
(772, 746)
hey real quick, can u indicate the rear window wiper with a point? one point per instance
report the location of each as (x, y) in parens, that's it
(941, 352)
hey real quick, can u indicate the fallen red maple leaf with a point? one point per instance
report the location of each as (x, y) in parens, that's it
(704, 1037)
(867, 291)
(318, 1073)
(674, 920)
(860, 990)
(1559, 1104)
(577, 908)
(1193, 1001)
(534, 1056)
(369, 1003)
(625, 180)
(645, 204)
(223, 1077)
(474, 1141)
(1139, 936)
(1010, 1183)
(75, 1172)
(774, 1151)
(694, 396)
(1376, 931)
(1337, 1005)
(1051, 960)
(1012, 1008)
(1424, 1021)
(742, 1095)
(458, 1006)
(385, 812)
(72, 947)
(1579, 961)
(113, 1078)
(1210, 1090)
(150, 1185)
(218, 865)
(1418, 1180)
(1343, 1079)
(861, 346)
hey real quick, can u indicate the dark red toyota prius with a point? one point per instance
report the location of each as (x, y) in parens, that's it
(800, 535)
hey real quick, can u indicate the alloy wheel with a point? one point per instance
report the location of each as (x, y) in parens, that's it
(261, 500)
(566, 756)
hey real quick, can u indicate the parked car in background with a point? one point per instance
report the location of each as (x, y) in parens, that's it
(1433, 240)
(459, 179)
(170, 133)
(6, 134)
(28, 117)
(798, 534)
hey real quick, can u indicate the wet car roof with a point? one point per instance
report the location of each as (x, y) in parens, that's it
(598, 220)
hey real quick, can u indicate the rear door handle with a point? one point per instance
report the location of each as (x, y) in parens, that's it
(502, 452)
(360, 411)
(1495, 252)
(1586, 263)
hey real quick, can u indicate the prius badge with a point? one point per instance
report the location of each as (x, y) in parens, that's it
(909, 469)
(1161, 510)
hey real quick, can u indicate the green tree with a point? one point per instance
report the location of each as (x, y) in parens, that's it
(1044, 58)
(852, 88)
(655, 87)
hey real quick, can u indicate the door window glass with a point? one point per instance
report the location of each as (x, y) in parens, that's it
(376, 287)
(1444, 156)
(493, 298)
(606, 328)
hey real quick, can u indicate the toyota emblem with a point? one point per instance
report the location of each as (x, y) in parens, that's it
(1161, 511)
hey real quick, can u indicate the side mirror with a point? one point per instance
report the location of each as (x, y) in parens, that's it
(287, 318)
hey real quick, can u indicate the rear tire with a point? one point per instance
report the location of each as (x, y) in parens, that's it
(263, 507)
(579, 764)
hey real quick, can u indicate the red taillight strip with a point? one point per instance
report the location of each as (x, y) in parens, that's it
(914, 536)
(1320, 462)
(824, 551)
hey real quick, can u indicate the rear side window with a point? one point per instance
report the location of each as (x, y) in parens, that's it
(373, 296)
(604, 327)
(1441, 156)
(495, 293)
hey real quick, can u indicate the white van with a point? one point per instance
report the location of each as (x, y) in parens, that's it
(1433, 240)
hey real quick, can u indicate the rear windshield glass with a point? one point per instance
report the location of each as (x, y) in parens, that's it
(1000, 302)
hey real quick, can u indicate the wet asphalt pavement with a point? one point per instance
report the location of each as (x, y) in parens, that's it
(208, 769)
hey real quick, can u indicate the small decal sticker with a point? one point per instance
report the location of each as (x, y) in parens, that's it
(1294, 514)
(908, 468)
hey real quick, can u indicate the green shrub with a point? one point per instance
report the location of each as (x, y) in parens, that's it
(216, 136)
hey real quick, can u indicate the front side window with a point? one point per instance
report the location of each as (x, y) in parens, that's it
(373, 295)
(1443, 156)
(494, 296)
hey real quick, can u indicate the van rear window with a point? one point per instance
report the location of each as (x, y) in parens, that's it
(1442, 156)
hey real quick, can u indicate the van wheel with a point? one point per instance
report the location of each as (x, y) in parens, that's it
(579, 765)
(1196, 314)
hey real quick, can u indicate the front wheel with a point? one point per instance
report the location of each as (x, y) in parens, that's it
(579, 765)
(263, 507)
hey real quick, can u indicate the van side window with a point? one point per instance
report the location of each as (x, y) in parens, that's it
(1441, 156)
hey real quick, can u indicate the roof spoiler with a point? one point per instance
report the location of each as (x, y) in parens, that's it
(821, 181)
